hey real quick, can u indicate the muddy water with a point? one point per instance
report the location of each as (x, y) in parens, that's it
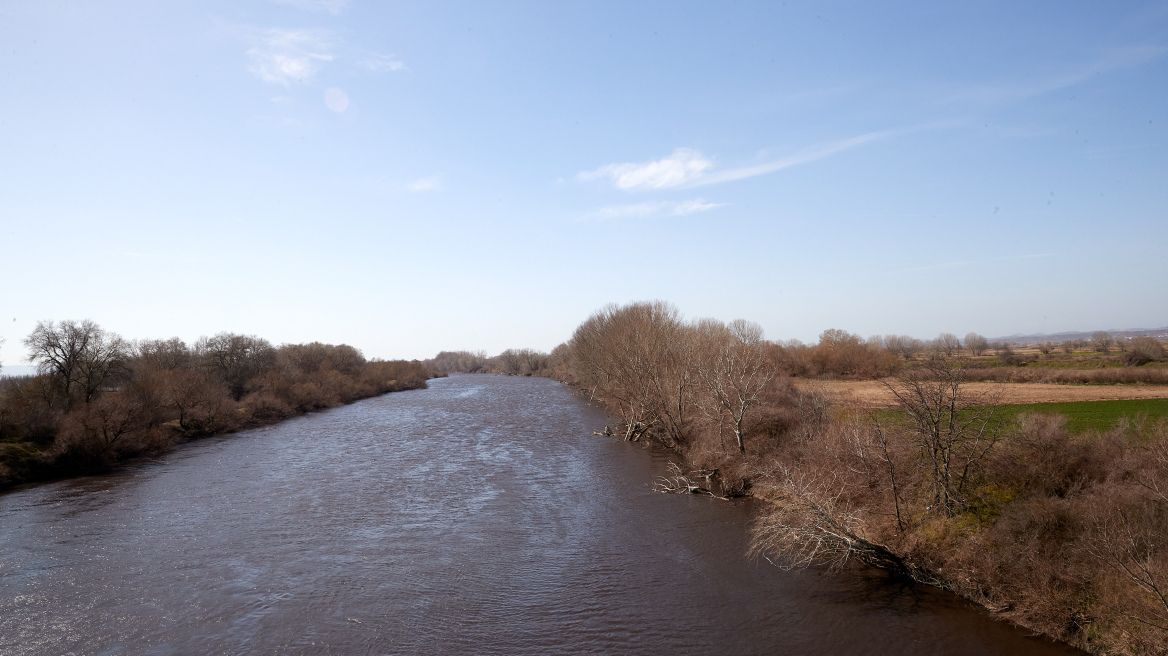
(480, 516)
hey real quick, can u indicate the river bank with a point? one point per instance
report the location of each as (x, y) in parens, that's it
(1063, 533)
(478, 516)
(101, 401)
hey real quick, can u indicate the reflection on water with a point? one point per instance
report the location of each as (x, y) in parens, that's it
(478, 516)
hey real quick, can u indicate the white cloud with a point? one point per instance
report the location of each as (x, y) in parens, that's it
(687, 168)
(331, 6)
(286, 56)
(1009, 93)
(651, 210)
(336, 100)
(382, 63)
(424, 184)
(683, 166)
(804, 156)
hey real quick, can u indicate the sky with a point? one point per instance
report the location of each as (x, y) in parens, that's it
(410, 177)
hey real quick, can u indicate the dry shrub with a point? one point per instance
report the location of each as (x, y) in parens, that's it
(382, 376)
(200, 405)
(1127, 534)
(841, 353)
(103, 431)
(1120, 375)
(264, 407)
(1142, 350)
(1041, 457)
(1027, 563)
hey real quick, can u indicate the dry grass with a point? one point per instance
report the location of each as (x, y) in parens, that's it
(873, 393)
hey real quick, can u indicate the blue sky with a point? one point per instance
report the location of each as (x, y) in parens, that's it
(410, 177)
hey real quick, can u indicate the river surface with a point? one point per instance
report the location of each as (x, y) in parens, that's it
(479, 516)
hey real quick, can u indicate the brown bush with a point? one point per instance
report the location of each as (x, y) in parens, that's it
(1143, 350)
(103, 431)
(265, 407)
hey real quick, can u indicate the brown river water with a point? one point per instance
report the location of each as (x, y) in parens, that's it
(480, 516)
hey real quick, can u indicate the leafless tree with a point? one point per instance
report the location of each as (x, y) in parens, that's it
(638, 357)
(946, 344)
(161, 354)
(903, 345)
(236, 359)
(733, 366)
(93, 434)
(1143, 350)
(315, 356)
(1101, 341)
(976, 343)
(79, 355)
(455, 362)
(953, 429)
(1129, 541)
(811, 522)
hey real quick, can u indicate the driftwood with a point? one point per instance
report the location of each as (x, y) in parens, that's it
(679, 482)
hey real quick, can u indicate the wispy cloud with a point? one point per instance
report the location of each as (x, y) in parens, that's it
(381, 63)
(287, 56)
(686, 167)
(1014, 92)
(804, 156)
(330, 6)
(682, 167)
(650, 210)
(431, 183)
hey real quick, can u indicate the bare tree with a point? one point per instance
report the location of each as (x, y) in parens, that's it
(638, 357)
(903, 345)
(733, 365)
(1142, 350)
(976, 343)
(953, 430)
(946, 344)
(236, 359)
(93, 434)
(1128, 540)
(79, 355)
(161, 354)
(1101, 341)
(811, 522)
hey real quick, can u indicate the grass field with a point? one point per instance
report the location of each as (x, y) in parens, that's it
(873, 393)
(1083, 416)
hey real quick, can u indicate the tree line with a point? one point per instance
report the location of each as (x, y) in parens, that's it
(1065, 534)
(98, 398)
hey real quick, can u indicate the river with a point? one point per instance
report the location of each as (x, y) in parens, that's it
(479, 516)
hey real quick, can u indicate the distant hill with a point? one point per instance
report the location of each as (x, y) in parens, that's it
(1128, 333)
(10, 370)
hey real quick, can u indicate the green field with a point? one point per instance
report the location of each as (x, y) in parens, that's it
(1085, 416)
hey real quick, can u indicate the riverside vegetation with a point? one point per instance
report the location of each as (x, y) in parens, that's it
(1064, 532)
(98, 399)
